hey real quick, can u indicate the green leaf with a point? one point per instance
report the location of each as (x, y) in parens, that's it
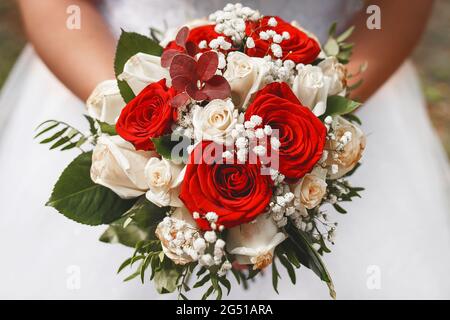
(290, 254)
(166, 143)
(50, 127)
(217, 288)
(286, 263)
(166, 280)
(124, 264)
(252, 273)
(128, 236)
(332, 30)
(132, 276)
(339, 208)
(54, 136)
(237, 275)
(346, 34)
(337, 105)
(353, 118)
(91, 121)
(156, 35)
(331, 47)
(308, 256)
(226, 283)
(146, 214)
(107, 128)
(201, 282)
(275, 276)
(201, 271)
(77, 197)
(182, 296)
(136, 225)
(131, 43)
(208, 293)
(61, 138)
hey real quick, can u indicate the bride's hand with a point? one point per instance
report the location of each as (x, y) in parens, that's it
(80, 58)
(402, 23)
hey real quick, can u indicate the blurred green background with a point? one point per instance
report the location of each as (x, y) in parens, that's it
(431, 57)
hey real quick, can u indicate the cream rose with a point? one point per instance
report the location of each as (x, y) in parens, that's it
(255, 242)
(215, 121)
(311, 87)
(105, 103)
(336, 72)
(141, 70)
(312, 188)
(117, 165)
(164, 179)
(177, 234)
(347, 158)
(245, 75)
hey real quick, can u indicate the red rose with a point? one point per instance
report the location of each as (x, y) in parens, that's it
(299, 47)
(196, 35)
(236, 192)
(148, 115)
(301, 134)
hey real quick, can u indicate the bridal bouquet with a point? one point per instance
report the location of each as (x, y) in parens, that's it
(221, 144)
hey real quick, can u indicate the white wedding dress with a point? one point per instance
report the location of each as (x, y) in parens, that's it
(394, 243)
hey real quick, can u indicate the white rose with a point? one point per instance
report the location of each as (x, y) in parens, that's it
(164, 179)
(105, 103)
(311, 87)
(347, 158)
(141, 70)
(215, 121)
(245, 75)
(172, 33)
(117, 165)
(312, 188)
(255, 242)
(177, 234)
(337, 73)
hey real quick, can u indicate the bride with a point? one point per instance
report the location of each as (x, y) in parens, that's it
(394, 244)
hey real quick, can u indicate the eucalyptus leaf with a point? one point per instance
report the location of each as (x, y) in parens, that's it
(131, 43)
(77, 197)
